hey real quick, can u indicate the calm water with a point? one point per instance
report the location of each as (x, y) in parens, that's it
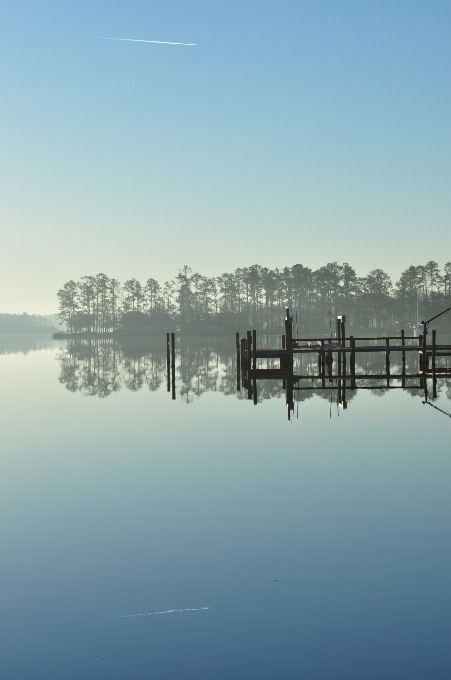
(207, 538)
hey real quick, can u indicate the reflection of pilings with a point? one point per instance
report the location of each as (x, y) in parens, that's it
(173, 363)
(289, 395)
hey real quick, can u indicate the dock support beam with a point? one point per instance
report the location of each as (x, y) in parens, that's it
(352, 361)
(238, 363)
(173, 363)
(387, 360)
(168, 362)
(403, 358)
(434, 379)
(254, 350)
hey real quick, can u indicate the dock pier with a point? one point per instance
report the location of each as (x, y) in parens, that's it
(334, 355)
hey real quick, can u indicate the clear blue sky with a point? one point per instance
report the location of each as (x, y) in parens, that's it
(293, 132)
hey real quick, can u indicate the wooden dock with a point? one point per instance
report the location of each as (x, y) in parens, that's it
(336, 359)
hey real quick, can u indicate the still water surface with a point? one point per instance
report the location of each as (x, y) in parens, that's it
(207, 538)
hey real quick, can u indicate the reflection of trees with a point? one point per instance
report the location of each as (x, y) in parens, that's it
(103, 367)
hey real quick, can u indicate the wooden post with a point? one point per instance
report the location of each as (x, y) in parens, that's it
(249, 349)
(387, 360)
(352, 361)
(433, 359)
(403, 358)
(254, 349)
(289, 332)
(420, 354)
(323, 364)
(425, 352)
(343, 335)
(283, 342)
(338, 332)
(173, 363)
(168, 363)
(238, 363)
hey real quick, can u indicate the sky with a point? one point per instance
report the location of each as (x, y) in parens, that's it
(291, 132)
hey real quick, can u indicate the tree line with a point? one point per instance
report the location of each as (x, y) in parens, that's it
(26, 323)
(255, 297)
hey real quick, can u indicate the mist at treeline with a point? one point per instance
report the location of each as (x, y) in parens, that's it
(27, 323)
(255, 297)
(101, 368)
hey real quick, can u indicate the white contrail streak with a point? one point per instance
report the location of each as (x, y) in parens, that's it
(158, 42)
(168, 611)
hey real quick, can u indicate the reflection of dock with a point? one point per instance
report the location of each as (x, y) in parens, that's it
(336, 361)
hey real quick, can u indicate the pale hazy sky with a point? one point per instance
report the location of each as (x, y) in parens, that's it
(293, 132)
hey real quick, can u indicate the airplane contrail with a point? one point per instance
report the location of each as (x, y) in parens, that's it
(159, 42)
(168, 611)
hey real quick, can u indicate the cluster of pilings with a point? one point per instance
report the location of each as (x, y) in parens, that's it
(337, 360)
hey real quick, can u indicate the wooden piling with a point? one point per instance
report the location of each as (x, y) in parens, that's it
(254, 350)
(249, 350)
(425, 355)
(403, 358)
(352, 361)
(173, 363)
(433, 353)
(323, 364)
(420, 354)
(168, 363)
(238, 363)
(387, 360)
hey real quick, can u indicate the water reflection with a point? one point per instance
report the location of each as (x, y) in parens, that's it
(103, 367)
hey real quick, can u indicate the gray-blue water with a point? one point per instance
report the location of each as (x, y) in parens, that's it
(208, 538)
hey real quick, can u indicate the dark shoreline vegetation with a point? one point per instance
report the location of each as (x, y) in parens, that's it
(254, 297)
